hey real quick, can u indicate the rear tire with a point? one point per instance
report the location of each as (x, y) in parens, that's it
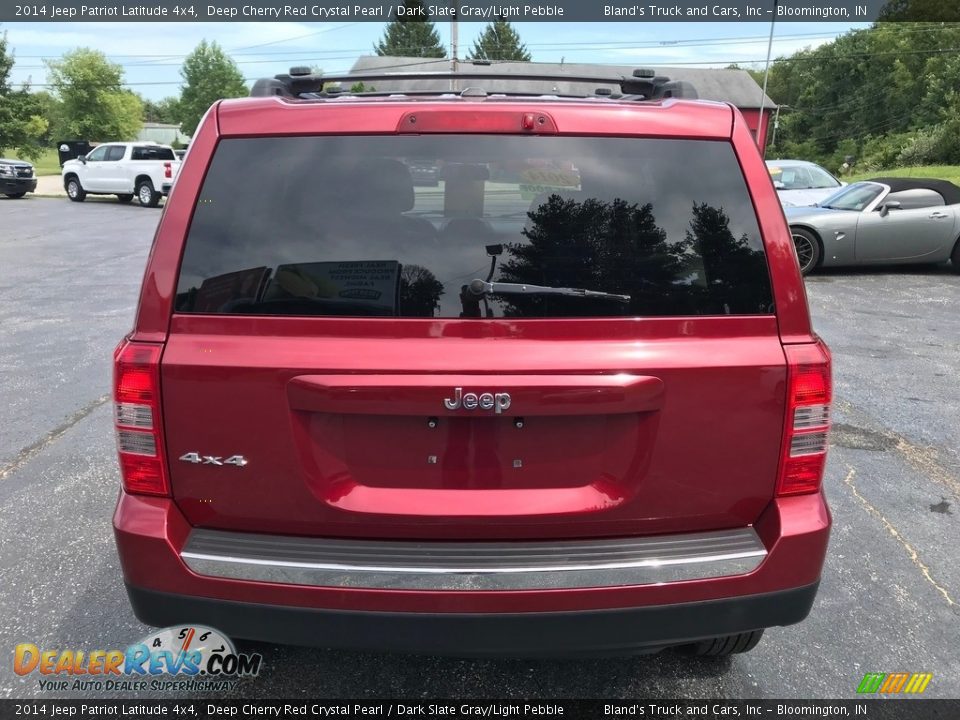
(125, 198)
(727, 645)
(146, 195)
(15, 196)
(808, 249)
(75, 190)
(955, 258)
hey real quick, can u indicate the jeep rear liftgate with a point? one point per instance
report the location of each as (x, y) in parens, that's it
(474, 337)
(337, 442)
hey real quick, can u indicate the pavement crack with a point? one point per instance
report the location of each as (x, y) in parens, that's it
(34, 449)
(914, 555)
(925, 459)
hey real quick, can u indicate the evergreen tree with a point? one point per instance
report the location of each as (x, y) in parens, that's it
(412, 34)
(499, 41)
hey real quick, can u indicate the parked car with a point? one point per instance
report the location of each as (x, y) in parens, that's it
(880, 221)
(800, 183)
(424, 173)
(350, 414)
(143, 170)
(16, 178)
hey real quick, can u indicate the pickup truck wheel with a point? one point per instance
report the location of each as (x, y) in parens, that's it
(125, 198)
(75, 190)
(15, 196)
(147, 196)
(727, 645)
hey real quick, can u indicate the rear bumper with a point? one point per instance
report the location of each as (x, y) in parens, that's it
(602, 632)
(775, 587)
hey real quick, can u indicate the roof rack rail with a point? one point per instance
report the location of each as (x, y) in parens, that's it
(644, 84)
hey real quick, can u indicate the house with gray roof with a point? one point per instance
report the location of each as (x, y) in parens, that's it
(725, 85)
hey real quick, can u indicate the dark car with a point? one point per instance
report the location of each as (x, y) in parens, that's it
(566, 411)
(16, 178)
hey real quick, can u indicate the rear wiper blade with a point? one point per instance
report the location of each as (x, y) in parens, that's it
(479, 288)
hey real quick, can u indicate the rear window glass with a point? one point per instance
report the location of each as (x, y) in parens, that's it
(152, 153)
(473, 226)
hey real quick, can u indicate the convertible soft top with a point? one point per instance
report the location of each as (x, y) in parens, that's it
(950, 192)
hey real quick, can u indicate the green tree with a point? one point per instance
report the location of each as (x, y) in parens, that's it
(209, 75)
(94, 103)
(50, 110)
(499, 41)
(900, 10)
(162, 111)
(22, 125)
(871, 93)
(411, 35)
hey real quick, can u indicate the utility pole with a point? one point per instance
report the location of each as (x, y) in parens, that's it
(453, 46)
(776, 125)
(766, 76)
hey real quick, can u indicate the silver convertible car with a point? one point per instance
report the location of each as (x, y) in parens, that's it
(884, 220)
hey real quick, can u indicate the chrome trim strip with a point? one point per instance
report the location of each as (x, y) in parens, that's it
(522, 565)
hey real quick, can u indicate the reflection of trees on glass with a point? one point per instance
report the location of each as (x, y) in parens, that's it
(617, 247)
(635, 257)
(611, 246)
(420, 292)
(735, 273)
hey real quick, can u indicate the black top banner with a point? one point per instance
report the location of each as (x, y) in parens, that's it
(477, 11)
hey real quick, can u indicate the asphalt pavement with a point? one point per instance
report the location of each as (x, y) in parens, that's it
(69, 278)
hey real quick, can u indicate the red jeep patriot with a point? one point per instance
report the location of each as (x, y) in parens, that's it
(462, 372)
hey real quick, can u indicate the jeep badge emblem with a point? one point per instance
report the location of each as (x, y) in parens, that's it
(498, 402)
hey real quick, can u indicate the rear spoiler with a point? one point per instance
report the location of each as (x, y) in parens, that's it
(644, 84)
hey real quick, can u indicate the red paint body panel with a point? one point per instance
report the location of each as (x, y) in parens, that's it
(621, 427)
(674, 463)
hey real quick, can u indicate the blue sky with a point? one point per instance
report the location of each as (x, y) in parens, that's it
(151, 53)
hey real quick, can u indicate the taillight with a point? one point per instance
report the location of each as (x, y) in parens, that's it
(136, 395)
(168, 170)
(804, 453)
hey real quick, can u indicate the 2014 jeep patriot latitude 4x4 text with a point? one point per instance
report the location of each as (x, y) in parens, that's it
(567, 400)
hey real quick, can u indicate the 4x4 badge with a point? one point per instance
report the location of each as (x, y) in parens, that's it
(198, 459)
(498, 402)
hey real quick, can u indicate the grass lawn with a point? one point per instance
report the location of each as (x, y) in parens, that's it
(49, 163)
(942, 172)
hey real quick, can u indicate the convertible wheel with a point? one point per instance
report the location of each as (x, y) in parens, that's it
(955, 258)
(808, 249)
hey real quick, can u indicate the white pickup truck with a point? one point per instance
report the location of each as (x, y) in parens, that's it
(142, 169)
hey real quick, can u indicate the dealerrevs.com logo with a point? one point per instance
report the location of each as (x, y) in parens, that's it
(183, 657)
